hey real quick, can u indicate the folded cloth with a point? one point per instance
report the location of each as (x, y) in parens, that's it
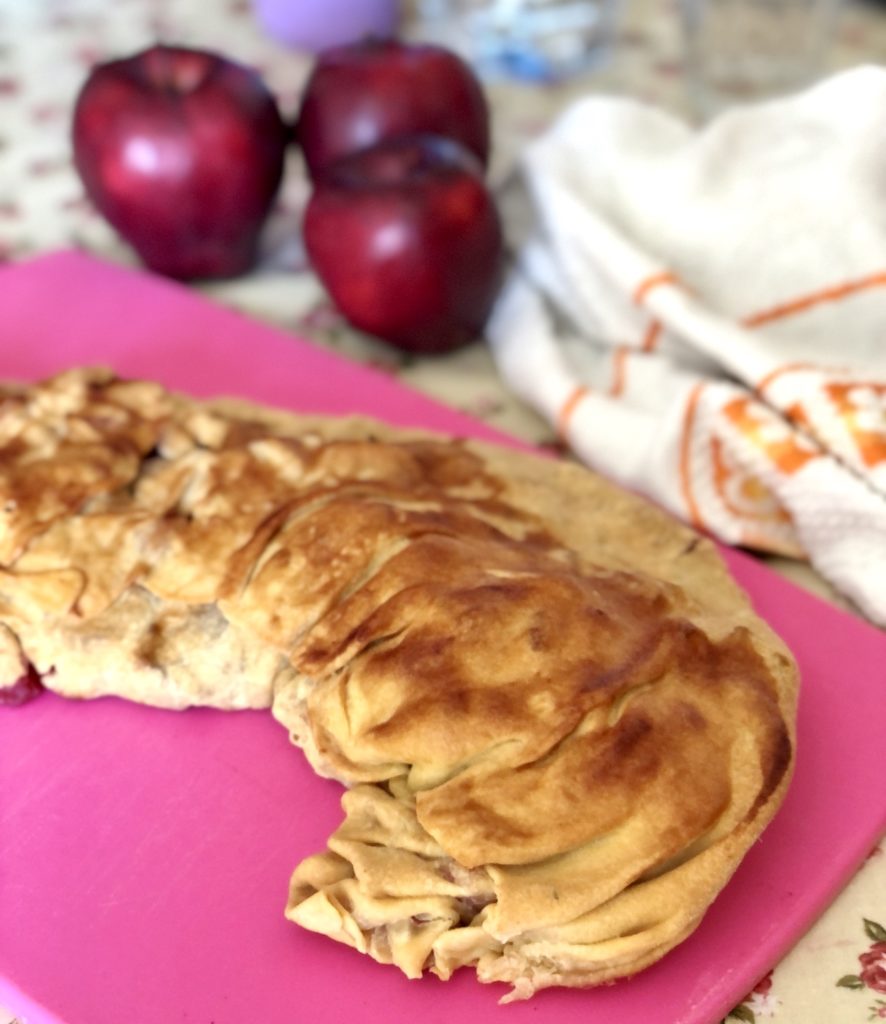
(702, 314)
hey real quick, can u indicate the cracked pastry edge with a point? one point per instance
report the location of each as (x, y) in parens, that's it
(449, 925)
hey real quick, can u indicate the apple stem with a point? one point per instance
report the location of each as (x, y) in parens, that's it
(175, 70)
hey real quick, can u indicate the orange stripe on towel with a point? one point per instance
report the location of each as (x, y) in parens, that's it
(619, 370)
(695, 516)
(650, 339)
(799, 305)
(779, 371)
(568, 408)
(653, 281)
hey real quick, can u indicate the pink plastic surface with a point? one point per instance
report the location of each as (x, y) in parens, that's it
(144, 855)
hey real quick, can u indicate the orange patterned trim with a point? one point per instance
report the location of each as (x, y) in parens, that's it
(804, 302)
(568, 408)
(788, 453)
(722, 474)
(653, 281)
(689, 413)
(871, 444)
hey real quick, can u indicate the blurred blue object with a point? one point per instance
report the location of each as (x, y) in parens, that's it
(535, 40)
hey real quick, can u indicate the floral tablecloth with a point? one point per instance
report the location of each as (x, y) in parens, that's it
(837, 971)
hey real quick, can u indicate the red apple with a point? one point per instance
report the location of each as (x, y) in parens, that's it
(182, 151)
(360, 94)
(408, 242)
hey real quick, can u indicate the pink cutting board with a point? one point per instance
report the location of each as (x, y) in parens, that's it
(144, 855)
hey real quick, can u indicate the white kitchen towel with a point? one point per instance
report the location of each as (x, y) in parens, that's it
(702, 314)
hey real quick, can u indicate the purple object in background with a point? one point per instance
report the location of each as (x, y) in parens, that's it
(315, 25)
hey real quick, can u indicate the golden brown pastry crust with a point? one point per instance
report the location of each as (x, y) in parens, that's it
(562, 723)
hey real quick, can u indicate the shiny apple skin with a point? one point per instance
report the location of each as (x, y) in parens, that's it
(361, 94)
(408, 241)
(182, 151)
